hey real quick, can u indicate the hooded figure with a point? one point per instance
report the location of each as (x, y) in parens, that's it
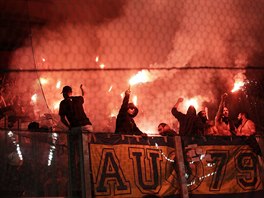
(125, 123)
(190, 125)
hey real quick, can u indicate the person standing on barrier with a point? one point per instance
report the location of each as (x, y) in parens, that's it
(125, 123)
(190, 125)
(72, 109)
(72, 115)
(223, 124)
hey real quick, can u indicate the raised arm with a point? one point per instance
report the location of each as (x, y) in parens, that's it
(220, 108)
(175, 111)
(81, 87)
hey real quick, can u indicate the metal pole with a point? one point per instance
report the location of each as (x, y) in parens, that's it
(69, 166)
(87, 168)
(180, 166)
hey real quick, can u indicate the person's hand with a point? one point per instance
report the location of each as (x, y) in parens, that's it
(224, 95)
(127, 92)
(180, 100)
(81, 87)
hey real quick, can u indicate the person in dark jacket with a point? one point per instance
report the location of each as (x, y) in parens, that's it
(72, 115)
(189, 123)
(125, 123)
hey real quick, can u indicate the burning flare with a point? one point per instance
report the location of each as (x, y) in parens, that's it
(58, 85)
(134, 100)
(102, 66)
(56, 105)
(191, 102)
(141, 77)
(34, 98)
(237, 86)
(43, 81)
(239, 82)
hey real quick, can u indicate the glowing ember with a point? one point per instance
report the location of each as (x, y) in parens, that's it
(102, 66)
(97, 59)
(34, 98)
(58, 85)
(134, 100)
(43, 81)
(110, 88)
(191, 102)
(141, 77)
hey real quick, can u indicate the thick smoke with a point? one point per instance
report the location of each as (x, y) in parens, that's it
(103, 44)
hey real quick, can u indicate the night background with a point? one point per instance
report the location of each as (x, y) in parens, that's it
(186, 48)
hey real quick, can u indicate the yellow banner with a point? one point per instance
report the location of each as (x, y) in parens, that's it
(135, 170)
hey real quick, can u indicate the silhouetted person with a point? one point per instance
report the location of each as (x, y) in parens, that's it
(72, 109)
(190, 125)
(125, 123)
(72, 115)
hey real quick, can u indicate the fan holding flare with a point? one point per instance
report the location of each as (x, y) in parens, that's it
(125, 123)
(223, 123)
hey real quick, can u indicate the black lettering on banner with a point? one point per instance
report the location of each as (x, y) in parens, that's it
(110, 173)
(147, 169)
(219, 158)
(247, 167)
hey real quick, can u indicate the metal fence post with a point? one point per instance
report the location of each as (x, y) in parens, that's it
(180, 166)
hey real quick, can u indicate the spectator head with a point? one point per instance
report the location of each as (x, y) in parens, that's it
(225, 112)
(163, 127)
(243, 115)
(202, 115)
(132, 110)
(66, 91)
(191, 111)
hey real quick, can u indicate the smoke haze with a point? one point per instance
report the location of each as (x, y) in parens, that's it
(102, 44)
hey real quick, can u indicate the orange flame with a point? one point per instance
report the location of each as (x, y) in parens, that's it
(34, 98)
(191, 102)
(237, 86)
(134, 100)
(43, 81)
(113, 113)
(58, 85)
(56, 105)
(141, 77)
(239, 82)
(102, 66)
